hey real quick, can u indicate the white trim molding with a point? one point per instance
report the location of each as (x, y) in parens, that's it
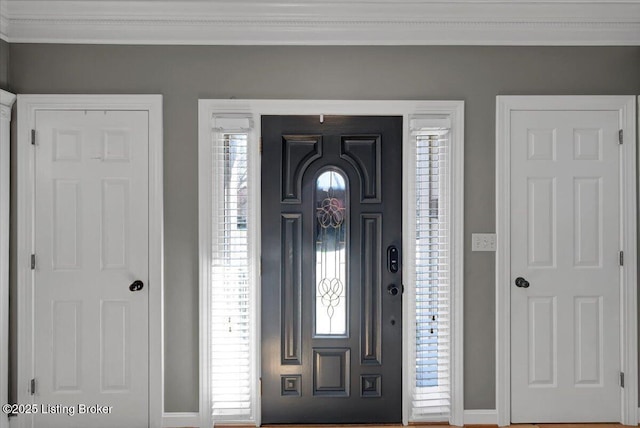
(6, 102)
(314, 22)
(4, 21)
(626, 108)
(180, 419)
(28, 105)
(454, 110)
(481, 417)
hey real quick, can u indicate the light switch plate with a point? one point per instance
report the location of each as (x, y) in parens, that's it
(483, 242)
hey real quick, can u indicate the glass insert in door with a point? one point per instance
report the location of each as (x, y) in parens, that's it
(331, 254)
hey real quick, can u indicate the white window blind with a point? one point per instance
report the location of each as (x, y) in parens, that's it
(232, 282)
(430, 391)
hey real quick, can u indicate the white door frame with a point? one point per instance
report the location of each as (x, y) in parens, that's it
(28, 105)
(626, 106)
(454, 110)
(6, 102)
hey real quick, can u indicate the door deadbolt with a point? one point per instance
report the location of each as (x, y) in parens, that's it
(394, 290)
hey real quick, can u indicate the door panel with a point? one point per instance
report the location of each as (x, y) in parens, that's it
(331, 333)
(565, 232)
(91, 243)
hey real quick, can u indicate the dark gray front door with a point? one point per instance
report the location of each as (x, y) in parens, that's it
(331, 271)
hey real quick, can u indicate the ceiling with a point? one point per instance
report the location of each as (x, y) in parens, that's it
(320, 22)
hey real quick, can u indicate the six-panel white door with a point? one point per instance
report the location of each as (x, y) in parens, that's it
(91, 243)
(565, 241)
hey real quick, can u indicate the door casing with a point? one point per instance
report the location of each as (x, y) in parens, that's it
(6, 103)
(452, 110)
(625, 105)
(27, 107)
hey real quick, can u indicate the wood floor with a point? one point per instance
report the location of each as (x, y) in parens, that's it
(421, 425)
(414, 425)
(567, 426)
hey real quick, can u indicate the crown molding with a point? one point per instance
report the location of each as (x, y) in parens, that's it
(315, 22)
(4, 21)
(6, 101)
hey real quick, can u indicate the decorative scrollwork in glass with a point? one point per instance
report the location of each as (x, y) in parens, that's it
(331, 253)
(331, 213)
(330, 291)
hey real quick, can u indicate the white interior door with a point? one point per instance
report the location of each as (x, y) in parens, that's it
(91, 244)
(565, 243)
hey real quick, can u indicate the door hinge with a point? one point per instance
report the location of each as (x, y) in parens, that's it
(260, 145)
(620, 136)
(260, 386)
(33, 261)
(621, 258)
(32, 387)
(33, 137)
(621, 380)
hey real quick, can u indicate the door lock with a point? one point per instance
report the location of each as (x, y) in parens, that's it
(393, 259)
(394, 290)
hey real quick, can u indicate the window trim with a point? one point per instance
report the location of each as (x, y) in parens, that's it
(453, 110)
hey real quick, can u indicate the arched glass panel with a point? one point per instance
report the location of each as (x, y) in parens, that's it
(331, 253)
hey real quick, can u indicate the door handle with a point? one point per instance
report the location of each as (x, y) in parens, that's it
(394, 290)
(521, 282)
(136, 285)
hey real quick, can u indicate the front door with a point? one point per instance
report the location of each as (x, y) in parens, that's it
(331, 269)
(565, 266)
(91, 269)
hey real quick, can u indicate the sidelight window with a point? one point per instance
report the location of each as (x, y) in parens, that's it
(231, 371)
(431, 347)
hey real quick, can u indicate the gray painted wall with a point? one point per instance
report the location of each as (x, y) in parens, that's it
(183, 74)
(4, 65)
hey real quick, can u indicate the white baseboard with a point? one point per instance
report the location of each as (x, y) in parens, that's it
(481, 417)
(169, 420)
(180, 420)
